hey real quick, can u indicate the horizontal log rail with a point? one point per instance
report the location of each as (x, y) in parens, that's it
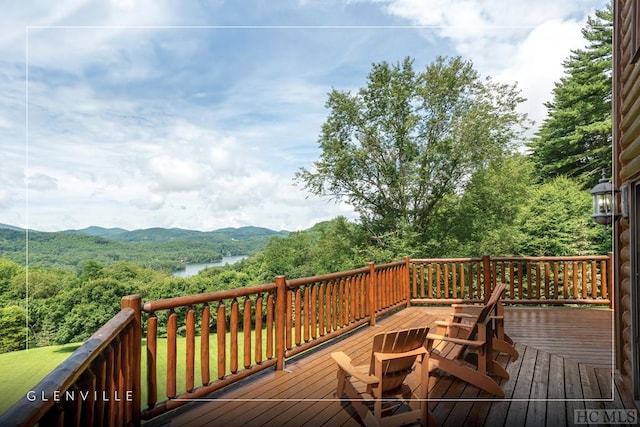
(97, 385)
(211, 340)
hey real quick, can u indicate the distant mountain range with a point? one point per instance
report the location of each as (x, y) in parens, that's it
(155, 247)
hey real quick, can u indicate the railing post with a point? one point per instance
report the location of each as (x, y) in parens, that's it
(281, 297)
(135, 302)
(487, 276)
(372, 294)
(407, 280)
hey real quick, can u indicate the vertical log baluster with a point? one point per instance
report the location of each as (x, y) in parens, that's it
(289, 320)
(575, 279)
(246, 331)
(270, 308)
(258, 329)
(87, 384)
(221, 333)
(307, 315)
(233, 329)
(594, 279)
(446, 280)
(512, 284)
(191, 349)
(454, 279)
(556, 280)
(438, 288)
(565, 279)
(281, 314)
(362, 291)
(321, 308)
(314, 315)
(462, 281)
(172, 326)
(547, 273)
(342, 302)
(604, 292)
(109, 409)
(152, 356)
(353, 312)
(584, 279)
(117, 378)
(330, 306)
(298, 316)
(100, 369)
(538, 279)
(205, 372)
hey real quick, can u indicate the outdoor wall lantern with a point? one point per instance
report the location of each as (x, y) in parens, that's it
(604, 201)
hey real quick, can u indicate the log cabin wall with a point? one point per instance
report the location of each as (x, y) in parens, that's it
(626, 173)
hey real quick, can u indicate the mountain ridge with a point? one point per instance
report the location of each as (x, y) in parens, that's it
(157, 247)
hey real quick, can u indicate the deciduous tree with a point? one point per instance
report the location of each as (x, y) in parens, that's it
(399, 145)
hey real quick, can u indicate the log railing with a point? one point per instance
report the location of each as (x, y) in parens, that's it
(555, 280)
(226, 336)
(197, 344)
(98, 385)
(531, 280)
(449, 280)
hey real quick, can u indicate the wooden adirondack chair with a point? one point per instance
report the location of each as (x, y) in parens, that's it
(501, 341)
(465, 350)
(392, 359)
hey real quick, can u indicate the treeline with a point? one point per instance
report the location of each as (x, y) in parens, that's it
(66, 306)
(157, 248)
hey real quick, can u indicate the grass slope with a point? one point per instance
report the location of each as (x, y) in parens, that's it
(21, 371)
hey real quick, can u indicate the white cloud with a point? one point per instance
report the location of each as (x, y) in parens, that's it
(42, 182)
(171, 174)
(510, 41)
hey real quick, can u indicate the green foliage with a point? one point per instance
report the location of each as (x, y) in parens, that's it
(486, 216)
(556, 221)
(326, 247)
(13, 327)
(401, 144)
(575, 138)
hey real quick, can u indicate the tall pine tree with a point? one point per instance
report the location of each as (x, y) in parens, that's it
(575, 138)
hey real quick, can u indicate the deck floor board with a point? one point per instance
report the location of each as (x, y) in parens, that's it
(553, 376)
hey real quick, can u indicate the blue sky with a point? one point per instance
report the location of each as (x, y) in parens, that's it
(197, 115)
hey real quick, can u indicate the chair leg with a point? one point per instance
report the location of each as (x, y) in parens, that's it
(341, 380)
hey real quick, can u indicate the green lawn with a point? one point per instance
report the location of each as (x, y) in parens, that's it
(21, 371)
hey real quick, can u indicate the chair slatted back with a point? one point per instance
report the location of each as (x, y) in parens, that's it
(396, 370)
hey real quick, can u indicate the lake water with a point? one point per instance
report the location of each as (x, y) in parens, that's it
(193, 269)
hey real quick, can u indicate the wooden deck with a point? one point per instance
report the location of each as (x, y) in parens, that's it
(564, 365)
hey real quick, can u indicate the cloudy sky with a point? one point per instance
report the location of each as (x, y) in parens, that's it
(197, 114)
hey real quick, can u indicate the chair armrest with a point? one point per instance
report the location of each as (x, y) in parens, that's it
(390, 356)
(466, 305)
(344, 362)
(460, 325)
(463, 315)
(456, 340)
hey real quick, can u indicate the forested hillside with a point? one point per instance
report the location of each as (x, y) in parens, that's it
(156, 248)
